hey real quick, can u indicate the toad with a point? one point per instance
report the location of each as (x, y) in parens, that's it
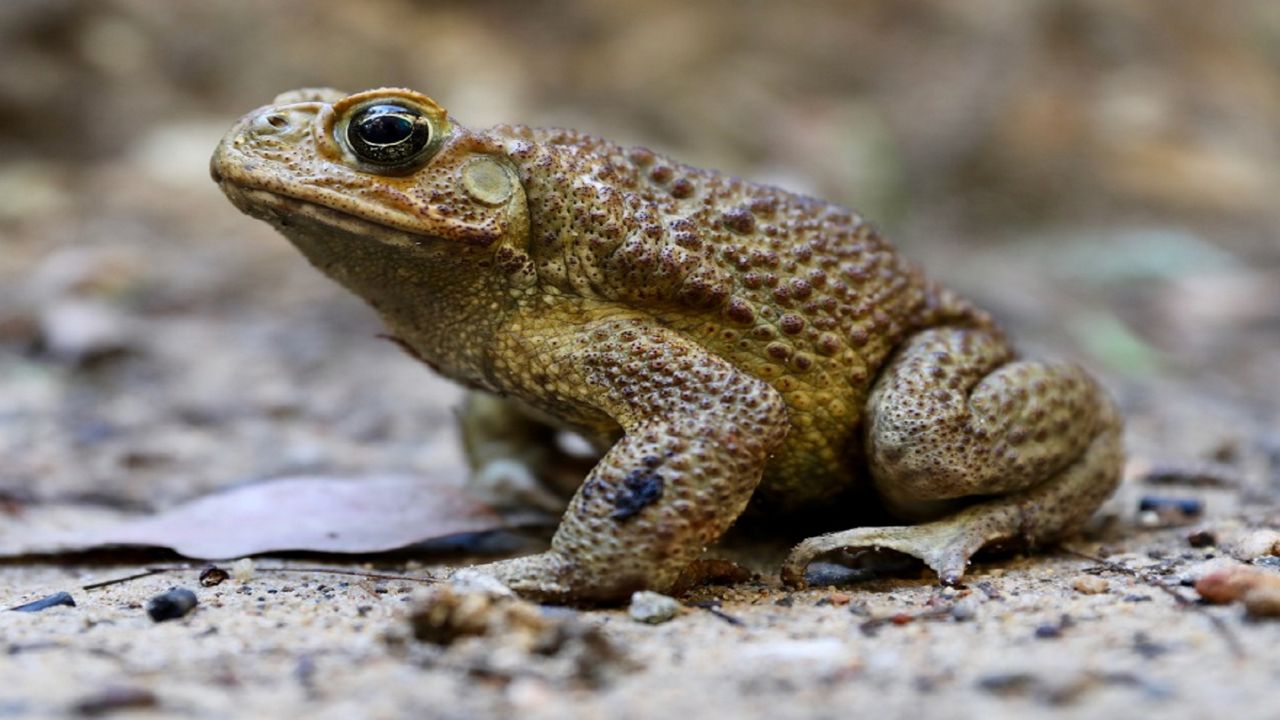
(728, 347)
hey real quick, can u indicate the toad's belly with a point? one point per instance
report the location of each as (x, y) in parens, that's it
(821, 459)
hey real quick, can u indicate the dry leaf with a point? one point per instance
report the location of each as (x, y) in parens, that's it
(320, 514)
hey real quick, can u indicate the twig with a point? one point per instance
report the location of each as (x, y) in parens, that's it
(356, 573)
(136, 576)
(1228, 636)
(331, 571)
(713, 607)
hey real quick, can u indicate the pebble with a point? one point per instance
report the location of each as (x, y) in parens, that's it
(171, 605)
(1263, 599)
(444, 614)
(1090, 584)
(653, 608)
(966, 608)
(1259, 589)
(1192, 574)
(1256, 544)
(242, 570)
(79, 330)
(213, 575)
(1202, 539)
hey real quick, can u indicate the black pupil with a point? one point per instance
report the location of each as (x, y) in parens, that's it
(385, 128)
(389, 135)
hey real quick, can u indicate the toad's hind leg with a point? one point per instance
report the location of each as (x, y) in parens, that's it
(1011, 449)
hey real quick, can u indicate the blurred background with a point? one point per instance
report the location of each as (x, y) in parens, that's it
(1104, 176)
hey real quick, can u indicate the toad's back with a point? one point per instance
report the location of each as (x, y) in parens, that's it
(796, 291)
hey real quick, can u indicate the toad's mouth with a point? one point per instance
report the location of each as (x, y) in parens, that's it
(285, 212)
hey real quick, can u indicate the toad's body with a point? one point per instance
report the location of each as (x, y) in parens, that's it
(726, 342)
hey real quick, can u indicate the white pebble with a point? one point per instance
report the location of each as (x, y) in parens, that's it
(653, 608)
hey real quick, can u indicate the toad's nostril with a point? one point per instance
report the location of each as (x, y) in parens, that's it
(277, 121)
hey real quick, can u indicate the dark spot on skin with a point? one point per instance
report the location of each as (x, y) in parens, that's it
(641, 488)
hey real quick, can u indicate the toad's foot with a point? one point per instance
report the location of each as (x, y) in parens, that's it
(945, 546)
(548, 577)
(544, 577)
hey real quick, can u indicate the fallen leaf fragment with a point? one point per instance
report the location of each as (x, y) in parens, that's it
(316, 514)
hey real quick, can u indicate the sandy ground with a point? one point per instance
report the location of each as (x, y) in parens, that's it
(1103, 181)
(1017, 638)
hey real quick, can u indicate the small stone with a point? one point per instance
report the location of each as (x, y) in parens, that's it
(213, 575)
(966, 608)
(1233, 583)
(171, 605)
(1048, 631)
(444, 614)
(242, 570)
(1256, 544)
(1192, 574)
(81, 330)
(653, 608)
(1090, 584)
(509, 632)
(1263, 599)
(1202, 539)
(1009, 684)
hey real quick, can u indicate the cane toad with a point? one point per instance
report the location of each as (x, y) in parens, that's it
(725, 344)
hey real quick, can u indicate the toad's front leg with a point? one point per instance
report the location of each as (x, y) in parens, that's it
(698, 433)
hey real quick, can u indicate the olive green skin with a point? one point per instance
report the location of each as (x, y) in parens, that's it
(724, 344)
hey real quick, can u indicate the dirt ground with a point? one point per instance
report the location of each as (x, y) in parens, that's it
(1102, 177)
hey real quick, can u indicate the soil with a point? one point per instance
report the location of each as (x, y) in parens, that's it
(1102, 179)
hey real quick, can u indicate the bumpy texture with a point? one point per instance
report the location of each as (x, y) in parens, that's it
(723, 343)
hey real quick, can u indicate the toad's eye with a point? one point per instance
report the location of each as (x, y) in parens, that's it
(388, 134)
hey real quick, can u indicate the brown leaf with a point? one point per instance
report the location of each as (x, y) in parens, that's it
(320, 514)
